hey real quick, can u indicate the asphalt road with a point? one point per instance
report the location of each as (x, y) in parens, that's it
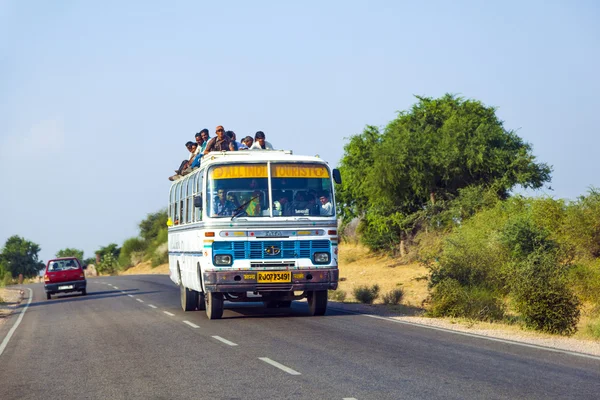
(130, 339)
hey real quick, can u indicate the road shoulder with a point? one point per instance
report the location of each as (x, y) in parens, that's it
(10, 300)
(486, 330)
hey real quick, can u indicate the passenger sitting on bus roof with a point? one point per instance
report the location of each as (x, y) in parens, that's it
(260, 143)
(184, 164)
(199, 140)
(222, 206)
(247, 143)
(253, 209)
(326, 206)
(205, 138)
(219, 143)
(193, 153)
(231, 136)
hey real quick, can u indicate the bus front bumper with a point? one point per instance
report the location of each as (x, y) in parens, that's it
(246, 281)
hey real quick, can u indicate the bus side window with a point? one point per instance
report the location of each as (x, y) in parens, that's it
(190, 198)
(199, 192)
(182, 201)
(176, 210)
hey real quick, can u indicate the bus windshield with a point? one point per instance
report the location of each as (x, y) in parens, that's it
(243, 189)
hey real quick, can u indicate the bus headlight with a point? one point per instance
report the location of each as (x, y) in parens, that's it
(321, 258)
(223, 259)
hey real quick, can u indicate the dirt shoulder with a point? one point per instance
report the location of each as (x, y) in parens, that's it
(10, 298)
(146, 268)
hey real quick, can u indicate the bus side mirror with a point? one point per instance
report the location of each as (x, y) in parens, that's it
(198, 201)
(337, 177)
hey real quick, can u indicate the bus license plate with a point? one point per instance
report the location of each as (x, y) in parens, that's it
(274, 277)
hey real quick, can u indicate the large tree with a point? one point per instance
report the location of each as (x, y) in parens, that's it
(426, 155)
(68, 252)
(20, 256)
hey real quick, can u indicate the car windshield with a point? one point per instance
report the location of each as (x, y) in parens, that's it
(62, 265)
(243, 190)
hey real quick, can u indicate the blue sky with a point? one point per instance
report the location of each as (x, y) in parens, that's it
(98, 98)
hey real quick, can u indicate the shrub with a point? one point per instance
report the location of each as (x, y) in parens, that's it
(337, 295)
(365, 294)
(542, 296)
(393, 296)
(130, 246)
(7, 279)
(108, 265)
(160, 255)
(585, 281)
(450, 299)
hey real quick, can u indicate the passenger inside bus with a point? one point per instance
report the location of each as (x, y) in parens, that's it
(222, 206)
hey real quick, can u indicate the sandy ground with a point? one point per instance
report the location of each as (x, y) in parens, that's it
(9, 300)
(146, 268)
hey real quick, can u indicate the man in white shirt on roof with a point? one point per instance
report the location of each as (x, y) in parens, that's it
(260, 143)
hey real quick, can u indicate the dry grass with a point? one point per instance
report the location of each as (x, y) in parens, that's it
(359, 267)
(146, 268)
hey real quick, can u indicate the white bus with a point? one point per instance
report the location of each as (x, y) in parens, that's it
(254, 226)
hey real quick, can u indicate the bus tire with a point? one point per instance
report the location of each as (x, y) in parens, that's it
(317, 302)
(214, 305)
(201, 302)
(189, 299)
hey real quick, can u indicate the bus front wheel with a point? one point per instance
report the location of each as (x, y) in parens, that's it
(317, 302)
(214, 305)
(189, 299)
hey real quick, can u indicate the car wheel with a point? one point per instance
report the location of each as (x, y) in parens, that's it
(317, 302)
(48, 296)
(84, 292)
(214, 305)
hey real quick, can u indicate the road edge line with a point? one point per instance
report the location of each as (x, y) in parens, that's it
(16, 324)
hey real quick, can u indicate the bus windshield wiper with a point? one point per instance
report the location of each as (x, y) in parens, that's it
(240, 209)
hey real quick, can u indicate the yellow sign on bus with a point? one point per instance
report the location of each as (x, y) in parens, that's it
(240, 171)
(277, 171)
(299, 171)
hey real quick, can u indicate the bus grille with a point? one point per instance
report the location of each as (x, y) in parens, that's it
(273, 249)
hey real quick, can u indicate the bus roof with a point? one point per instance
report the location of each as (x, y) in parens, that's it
(255, 155)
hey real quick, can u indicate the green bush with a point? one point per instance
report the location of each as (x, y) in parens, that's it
(160, 257)
(394, 296)
(108, 265)
(337, 295)
(130, 246)
(7, 279)
(542, 295)
(366, 294)
(585, 280)
(450, 299)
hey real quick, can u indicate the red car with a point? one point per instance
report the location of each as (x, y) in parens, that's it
(64, 275)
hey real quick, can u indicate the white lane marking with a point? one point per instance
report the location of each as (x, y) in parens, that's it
(191, 324)
(140, 300)
(348, 398)
(16, 325)
(130, 295)
(115, 287)
(169, 314)
(493, 339)
(220, 339)
(280, 366)
(151, 306)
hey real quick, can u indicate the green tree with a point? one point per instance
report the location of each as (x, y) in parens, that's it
(399, 178)
(20, 256)
(68, 252)
(113, 249)
(154, 223)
